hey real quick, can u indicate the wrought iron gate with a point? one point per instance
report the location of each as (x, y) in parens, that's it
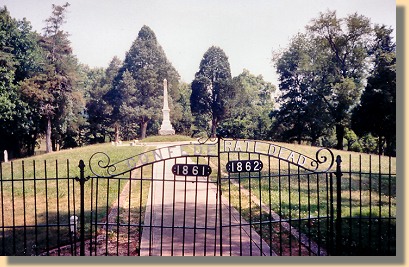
(215, 197)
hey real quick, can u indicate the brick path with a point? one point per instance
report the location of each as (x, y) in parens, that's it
(180, 220)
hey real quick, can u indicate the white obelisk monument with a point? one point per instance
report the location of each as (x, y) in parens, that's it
(166, 128)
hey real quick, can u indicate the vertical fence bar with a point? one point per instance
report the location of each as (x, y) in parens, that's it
(389, 204)
(270, 208)
(151, 210)
(250, 218)
(360, 203)
(46, 207)
(219, 183)
(117, 215)
(318, 213)
(229, 195)
(350, 199)
(58, 208)
(206, 211)
(82, 208)
(24, 209)
(280, 210)
(96, 212)
(91, 227)
(370, 203)
(338, 217)
(184, 213)
(299, 210)
(240, 208)
(289, 208)
(380, 206)
(309, 213)
(173, 212)
(260, 210)
(69, 208)
(107, 226)
(195, 212)
(35, 208)
(2, 212)
(163, 206)
(140, 210)
(13, 208)
(332, 216)
(74, 206)
(129, 211)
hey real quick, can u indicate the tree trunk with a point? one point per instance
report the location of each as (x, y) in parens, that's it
(340, 132)
(390, 146)
(144, 126)
(380, 145)
(48, 144)
(314, 141)
(116, 133)
(299, 139)
(214, 127)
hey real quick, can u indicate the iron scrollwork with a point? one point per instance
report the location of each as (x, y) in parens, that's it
(102, 161)
(322, 159)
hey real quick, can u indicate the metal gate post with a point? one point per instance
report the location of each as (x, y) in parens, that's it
(82, 181)
(338, 222)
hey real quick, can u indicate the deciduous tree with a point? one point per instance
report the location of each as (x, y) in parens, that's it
(20, 58)
(343, 47)
(376, 113)
(249, 110)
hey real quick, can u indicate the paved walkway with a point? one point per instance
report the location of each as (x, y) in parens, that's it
(181, 219)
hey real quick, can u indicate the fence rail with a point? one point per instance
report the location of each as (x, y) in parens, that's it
(53, 208)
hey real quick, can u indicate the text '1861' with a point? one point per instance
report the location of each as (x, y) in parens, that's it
(191, 170)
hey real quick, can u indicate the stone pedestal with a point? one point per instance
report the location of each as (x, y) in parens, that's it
(166, 127)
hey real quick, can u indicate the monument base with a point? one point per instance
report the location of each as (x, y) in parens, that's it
(167, 132)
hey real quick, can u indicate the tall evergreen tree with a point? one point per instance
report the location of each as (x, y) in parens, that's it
(147, 65)
(212, 88)
(52, 91)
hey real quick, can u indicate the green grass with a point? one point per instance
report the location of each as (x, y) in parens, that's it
(40, 191)
(167, 138)
(29, 195)
(368, 193)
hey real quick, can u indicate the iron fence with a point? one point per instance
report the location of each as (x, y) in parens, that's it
(221, 197)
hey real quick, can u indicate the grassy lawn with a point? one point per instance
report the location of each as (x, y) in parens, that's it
(40, 191)
(368, 193)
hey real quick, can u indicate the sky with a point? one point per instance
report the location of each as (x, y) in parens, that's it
(247, 31)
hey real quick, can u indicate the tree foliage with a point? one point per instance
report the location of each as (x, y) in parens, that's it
(322, 74)
(20, 58)
(53, 92)
(97, 108)
(337, 84)
(212, 88)
(376, 113)
(249, 110)
(145, 66)
(303, 115)
(342, 64)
